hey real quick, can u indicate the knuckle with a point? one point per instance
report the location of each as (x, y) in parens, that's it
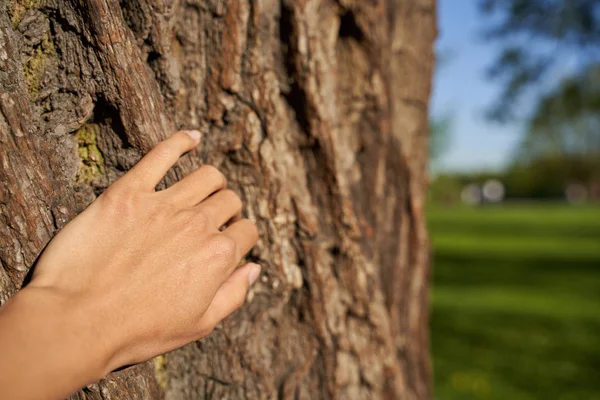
(234, 198)
(215, 175)
(163, 150)
(224, 247)
(200, 219)
(252, 230)
(240, 299)
(192, 221)
(205, 329)
(121, 201)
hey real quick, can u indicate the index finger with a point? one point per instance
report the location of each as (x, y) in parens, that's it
(150, 170)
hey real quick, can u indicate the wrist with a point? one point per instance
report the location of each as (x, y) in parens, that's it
(58, 335)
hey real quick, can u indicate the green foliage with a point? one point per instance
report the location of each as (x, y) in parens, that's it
(566, 122)
(561, 143)
(561, 29)
(445, 189)
(540, 178)
(515, 302)
(547, 177)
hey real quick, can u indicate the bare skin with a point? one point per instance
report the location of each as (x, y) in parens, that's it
(137, 274)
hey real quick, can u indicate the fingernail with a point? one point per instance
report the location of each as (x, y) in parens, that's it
(194, 135)
(254, 273)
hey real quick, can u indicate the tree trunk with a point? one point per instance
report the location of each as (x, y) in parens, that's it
(316, 110)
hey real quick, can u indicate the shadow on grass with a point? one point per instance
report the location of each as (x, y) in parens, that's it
(533, 356)
(569, 273)
(516, 230)
(516, 306)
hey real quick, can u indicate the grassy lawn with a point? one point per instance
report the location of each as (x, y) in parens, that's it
(516, 302)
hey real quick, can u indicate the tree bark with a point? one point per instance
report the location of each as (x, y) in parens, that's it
(316, 110)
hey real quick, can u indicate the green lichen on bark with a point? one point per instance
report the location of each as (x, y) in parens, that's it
(160, 371)
(91, 164)
(34, 67)
(16, 9)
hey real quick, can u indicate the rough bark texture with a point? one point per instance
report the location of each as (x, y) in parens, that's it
(316, 110)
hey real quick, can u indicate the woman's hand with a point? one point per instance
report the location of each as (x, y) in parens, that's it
(140, 272)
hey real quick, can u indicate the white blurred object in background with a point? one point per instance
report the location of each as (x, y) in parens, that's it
(493, 191)
(576, 193)
(471, 194)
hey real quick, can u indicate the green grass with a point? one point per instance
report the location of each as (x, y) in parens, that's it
(516, 302)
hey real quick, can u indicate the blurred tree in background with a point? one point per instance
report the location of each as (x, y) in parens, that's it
(440, 128)
(566, 121)
(561, 145)
(440, 123)
(570, 30)
(560, 78)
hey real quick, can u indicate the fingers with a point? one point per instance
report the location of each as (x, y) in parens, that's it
(221, 207)
(245, 236)
(231, 295)
(149, 171)
(197, 186)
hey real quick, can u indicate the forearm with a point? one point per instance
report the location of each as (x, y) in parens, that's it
(45, 348)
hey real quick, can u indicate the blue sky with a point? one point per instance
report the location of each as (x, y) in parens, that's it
(462, 91)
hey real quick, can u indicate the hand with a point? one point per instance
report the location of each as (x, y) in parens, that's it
(146, 272)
